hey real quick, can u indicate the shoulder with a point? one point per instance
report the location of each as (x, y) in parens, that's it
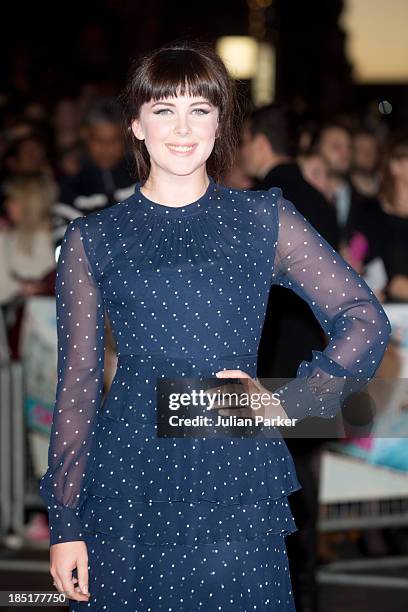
(253, 200)
(99, 219)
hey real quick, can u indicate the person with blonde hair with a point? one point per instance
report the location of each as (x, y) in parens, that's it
(26, 245)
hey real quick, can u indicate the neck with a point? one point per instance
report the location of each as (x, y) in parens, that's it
(337, 181)
(401, 196)
(271, 162)
(166, 188)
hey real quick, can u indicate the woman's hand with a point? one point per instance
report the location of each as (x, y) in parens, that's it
(64, 558)
(29, 288)
(269, 407)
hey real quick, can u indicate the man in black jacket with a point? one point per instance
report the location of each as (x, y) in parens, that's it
(291, 330)
(104, 178)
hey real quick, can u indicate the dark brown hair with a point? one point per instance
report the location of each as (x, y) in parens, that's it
(184, 68)
(397, 149)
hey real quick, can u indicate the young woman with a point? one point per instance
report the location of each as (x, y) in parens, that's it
(184, 267)
(26, 248)
(381, 225)
(27, 259)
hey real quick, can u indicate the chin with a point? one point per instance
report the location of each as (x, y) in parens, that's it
(184, 169)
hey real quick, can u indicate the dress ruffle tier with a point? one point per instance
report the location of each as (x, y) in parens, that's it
(213, 489)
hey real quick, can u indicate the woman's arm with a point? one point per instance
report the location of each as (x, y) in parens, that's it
(10, 287)
(346, 308)
(80, 327)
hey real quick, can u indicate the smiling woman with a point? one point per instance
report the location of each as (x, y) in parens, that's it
(188, 84)
(184, 129)
(184, 268)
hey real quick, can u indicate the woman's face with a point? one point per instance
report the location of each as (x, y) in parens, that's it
(316, 172)
(14, 207)
(179, 133)
(399, 168)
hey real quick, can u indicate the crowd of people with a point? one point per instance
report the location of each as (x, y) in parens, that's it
(349, 179)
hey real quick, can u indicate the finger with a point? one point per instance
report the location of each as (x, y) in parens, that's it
(68, 586)
(57, 583)
(232, 374)
(229, 401)
(225, 406)
(221, 387)
(221, 409)
(75, 580)
(227, 388)
(82, 567)
(240, 412)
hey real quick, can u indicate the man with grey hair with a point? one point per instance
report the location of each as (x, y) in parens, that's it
(105, 176)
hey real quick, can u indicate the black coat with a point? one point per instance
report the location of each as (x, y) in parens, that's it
(291, 330)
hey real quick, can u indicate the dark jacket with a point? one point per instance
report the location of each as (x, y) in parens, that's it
(90, 190)
(291, 330)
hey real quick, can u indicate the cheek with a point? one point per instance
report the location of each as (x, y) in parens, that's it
(208, 128)
(246, 150)
(404, 169)
(157, 131)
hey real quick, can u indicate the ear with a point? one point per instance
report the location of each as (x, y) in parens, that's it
(394, 167)
(217, 131)
(137, 129)
(263, 142)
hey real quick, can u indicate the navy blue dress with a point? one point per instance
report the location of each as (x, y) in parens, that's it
(189, 524)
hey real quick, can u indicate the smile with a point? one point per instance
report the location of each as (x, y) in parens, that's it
(181, 149)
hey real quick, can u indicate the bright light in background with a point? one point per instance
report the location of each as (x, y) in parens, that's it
(246, 58)
(377, 41)
(239, 54)
(263, 83)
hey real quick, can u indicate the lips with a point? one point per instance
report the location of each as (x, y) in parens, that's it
(184, 149)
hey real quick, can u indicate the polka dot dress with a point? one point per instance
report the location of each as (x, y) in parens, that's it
(189, 523)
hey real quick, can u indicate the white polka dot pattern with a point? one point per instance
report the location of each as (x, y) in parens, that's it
(224, 577)
(186, 289)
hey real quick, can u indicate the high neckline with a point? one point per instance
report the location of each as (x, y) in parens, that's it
(184, 210)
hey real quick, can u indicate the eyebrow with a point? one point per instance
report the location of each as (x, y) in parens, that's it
(171, 104)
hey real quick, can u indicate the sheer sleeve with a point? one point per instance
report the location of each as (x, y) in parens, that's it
(348, 311)
(80, 331)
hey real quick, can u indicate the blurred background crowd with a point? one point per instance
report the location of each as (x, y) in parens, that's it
(347, 175)
(330, 134)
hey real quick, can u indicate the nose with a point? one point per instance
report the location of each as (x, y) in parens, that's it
(182, 126)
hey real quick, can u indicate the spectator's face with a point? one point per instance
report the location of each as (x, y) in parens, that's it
(179, 133)
(66, 116)
(252, 152)
(399, 168)
(335, 146)
(315, 172)
(365, 152)
(105, 144)
(70, 163)
(31, 158)
(14, 208)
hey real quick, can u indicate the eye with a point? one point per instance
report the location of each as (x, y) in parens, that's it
(201, 111)
(162, 111)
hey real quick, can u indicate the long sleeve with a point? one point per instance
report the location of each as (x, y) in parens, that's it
(80, 332)
(348, 311)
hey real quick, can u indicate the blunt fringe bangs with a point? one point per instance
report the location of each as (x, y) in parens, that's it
(186, 68)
